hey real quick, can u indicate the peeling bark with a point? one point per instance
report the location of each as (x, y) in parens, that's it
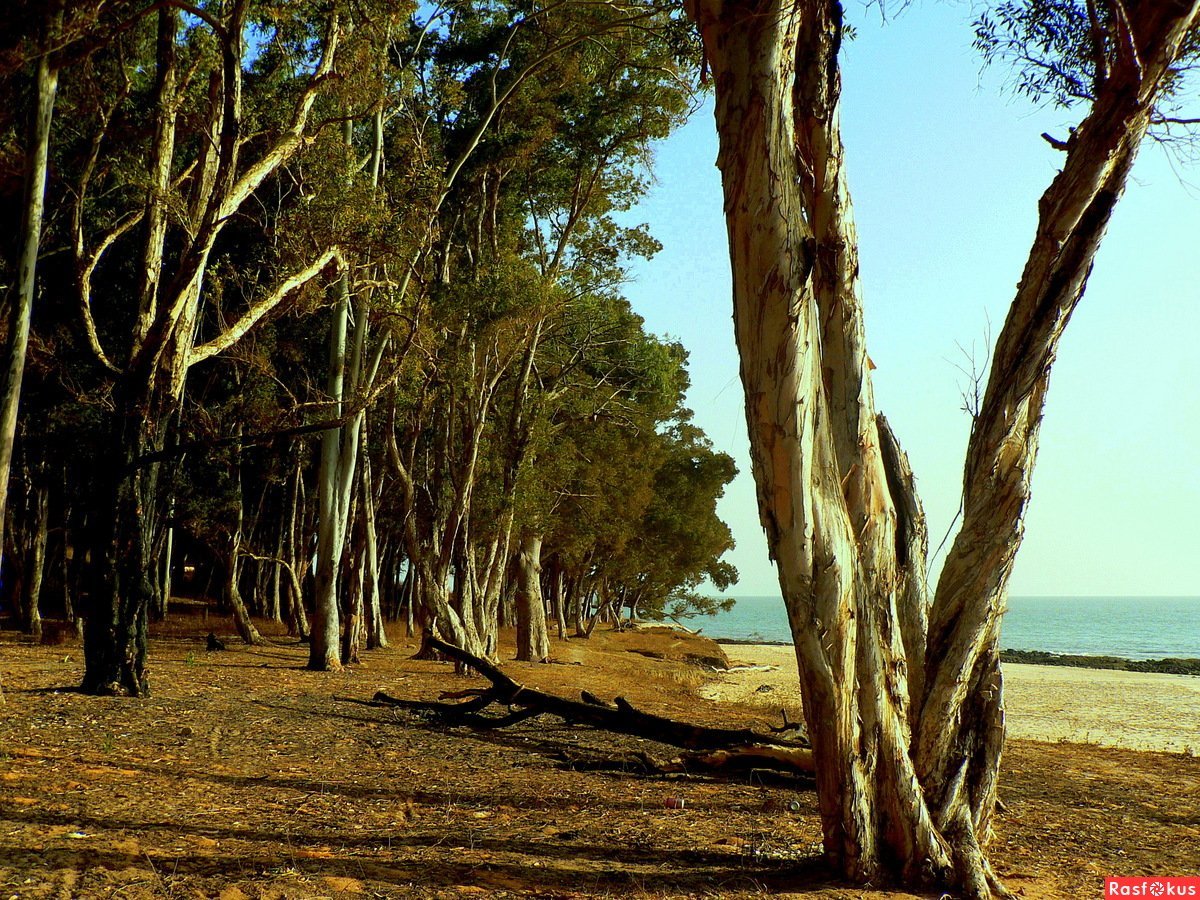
(904, 701)
(533, 639)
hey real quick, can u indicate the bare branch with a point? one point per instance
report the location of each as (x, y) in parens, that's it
(251, 317)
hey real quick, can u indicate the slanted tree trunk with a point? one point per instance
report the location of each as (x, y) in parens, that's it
(233, 594)
(32, 209)
(533, 640)
(905, 718)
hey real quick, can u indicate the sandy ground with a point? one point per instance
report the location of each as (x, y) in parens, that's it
(1135, 710)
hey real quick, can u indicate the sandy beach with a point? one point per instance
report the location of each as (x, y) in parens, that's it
(1135, 710)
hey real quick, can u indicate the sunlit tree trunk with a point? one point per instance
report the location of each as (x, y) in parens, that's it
(233, 569)
(323, 653)
(903, 706)
(533, 639)
(373, 600)
(165, 570)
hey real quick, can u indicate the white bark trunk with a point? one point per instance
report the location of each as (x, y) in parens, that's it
(906, 726)
(533, 640)
(324, 652)
(32, 211)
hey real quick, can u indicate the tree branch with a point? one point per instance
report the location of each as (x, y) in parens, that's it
(251, 317)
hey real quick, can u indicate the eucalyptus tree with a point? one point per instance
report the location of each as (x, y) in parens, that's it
(680, 539)
(616, 391)
(459, 70)
(177, 126)
(538, 156)
(18, 311)
(902, 692)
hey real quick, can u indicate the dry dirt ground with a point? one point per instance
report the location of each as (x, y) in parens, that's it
(245, 776)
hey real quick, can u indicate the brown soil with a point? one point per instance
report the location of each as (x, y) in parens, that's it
(245, 776)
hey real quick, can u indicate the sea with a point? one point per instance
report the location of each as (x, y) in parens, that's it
(1128, 627)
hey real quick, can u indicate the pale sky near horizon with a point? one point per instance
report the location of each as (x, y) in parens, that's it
(945, 171)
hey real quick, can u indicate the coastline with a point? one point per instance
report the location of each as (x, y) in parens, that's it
(1165, 665)
(1106, 707)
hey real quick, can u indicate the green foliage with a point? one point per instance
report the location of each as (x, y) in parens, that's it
(1062, 50)
(683, 605)
(1050, 44)
(522, 391)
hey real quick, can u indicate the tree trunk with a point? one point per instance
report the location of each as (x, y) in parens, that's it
(35, 560)
(165, 571)
(297, 622)
(408, 596)
(32, 209)
(233, 571)
(353, 626)
(119, 588)
(373, 603)
(233, 594)
(533, 641)
(324, 651)
(578, 613)
(835, 493)
(275, 591)
(558, 600)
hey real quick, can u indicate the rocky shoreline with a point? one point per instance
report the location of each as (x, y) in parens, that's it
(1166, 666)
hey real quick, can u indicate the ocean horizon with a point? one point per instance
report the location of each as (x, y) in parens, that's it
(1127, 627)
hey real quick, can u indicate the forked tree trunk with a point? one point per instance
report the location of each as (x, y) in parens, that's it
(178, 233)
(905, 714)
(233, 595)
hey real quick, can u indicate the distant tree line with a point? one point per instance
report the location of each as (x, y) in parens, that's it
(325, 299)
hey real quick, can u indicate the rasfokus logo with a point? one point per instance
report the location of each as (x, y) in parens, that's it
(1152, 887)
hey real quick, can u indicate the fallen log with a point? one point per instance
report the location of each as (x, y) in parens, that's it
(711, 749)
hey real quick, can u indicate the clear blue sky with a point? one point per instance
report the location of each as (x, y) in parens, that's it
(945, 171)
